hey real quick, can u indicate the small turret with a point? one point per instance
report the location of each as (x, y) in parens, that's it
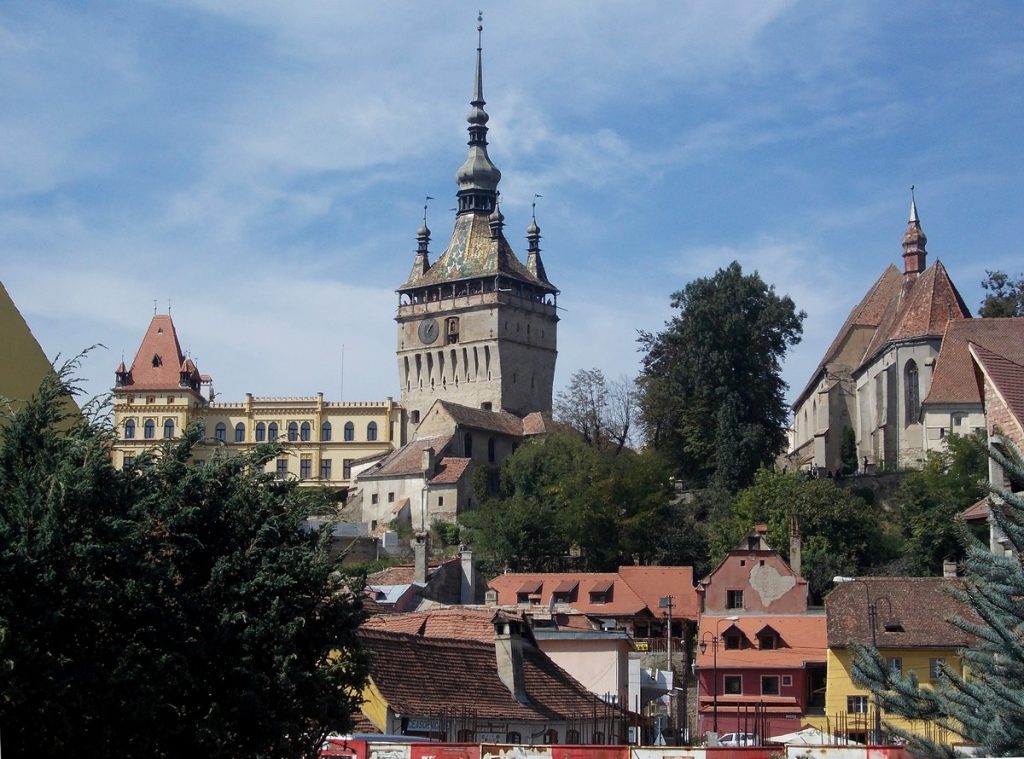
(533, 261)
(914, 241)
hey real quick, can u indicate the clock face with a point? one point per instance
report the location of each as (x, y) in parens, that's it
(428, 331)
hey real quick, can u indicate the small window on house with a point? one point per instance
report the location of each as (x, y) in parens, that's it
(305, 468)
(440, 500)
(272, 430)
(391, 497)
(150, 399)
(935, 668)
(895, 665)
(414, 417)
(325, 469)
(220, 432)
(374, 498)
(346, 469)
(325, 432)
(170, 399)
(743, 562)
(769, 685)
(350, 431)
(168, 429)
(787, 681)
(371, 431)
(733, 685)
(486, 405)
(857, 704)
(261, 432)
(734, 599)
(293, 431)
(129, 429)
(239, 433)
(766, 642)
(282, 468)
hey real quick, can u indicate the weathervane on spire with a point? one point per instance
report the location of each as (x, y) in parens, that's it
(913, 206)
(533, 206)
(426, 202)
(479, 30)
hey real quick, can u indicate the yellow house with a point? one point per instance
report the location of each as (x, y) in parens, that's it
(906, 619)
(163, 392)
(24, 364)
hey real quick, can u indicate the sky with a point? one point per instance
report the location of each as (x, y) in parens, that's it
(260, 167)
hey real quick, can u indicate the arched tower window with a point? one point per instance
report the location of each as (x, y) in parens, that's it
(129, 429)
(350, 431)
(261, 432)
(325, 431)
(293, 431)
(149, 429)
(304, 431)
(912, 391)
(272, 430)
(220, 432)
(371, 431)
(239, 433)
(168, 429)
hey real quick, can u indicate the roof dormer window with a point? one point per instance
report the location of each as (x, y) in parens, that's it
(157, 361)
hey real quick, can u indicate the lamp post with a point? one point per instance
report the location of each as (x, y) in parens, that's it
(873, 624)
(703, 645)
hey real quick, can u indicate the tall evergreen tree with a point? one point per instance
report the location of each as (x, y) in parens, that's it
(165, 610)
(985, 707)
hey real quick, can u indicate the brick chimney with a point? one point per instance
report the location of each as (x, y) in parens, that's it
(419, 552)
(508, 651)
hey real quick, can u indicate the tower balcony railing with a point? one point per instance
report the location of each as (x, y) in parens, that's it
(449, 302)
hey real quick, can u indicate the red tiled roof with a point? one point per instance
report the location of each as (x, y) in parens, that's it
(953, 379)
(920, 606)
(159, 360)
(479, 419)
(457, 622)
(1007, 378)
(451, 471)
(634, 589)
(416, 675)
(803, 640)
(407, 460)
(402, 574)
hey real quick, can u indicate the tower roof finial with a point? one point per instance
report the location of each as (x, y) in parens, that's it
(913, 207)
(478, 177)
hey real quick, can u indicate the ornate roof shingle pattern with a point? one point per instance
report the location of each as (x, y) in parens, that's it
(920, 607)
(417, 676)
(954, 379)
(474, 253)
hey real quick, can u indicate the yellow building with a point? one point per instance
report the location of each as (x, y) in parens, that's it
(906, 618)
(162, 393)
(23, 364)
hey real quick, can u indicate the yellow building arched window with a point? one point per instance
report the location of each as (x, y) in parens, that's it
(325, 432)
(168, 429)
(293, 431)
(149, 429)
(129, 429)
(239, 433)
(261, 432)
(304, 432)
(350, 431)
(371, 431)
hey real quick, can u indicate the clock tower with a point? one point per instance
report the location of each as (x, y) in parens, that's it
(477, 327)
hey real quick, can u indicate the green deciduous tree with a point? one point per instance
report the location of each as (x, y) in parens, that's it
(565, 503)
(1004, 295)
(167, 610)
(928, 501)
(985, 707)
(601, 410)
(840, 534)
(711, 391)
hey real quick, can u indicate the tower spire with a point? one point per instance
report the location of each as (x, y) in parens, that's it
(533, 262)
(914, 241)
(421, 263)
(478, 177)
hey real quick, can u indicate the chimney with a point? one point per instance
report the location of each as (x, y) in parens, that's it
(419, 551)
(467, 592)
(795, 544)
(428, 461)
(949, 568)
(508, 651)
(491, 597)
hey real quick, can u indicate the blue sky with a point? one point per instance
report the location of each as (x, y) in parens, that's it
(262, 165)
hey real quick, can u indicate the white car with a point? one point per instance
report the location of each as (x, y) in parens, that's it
(737, 739)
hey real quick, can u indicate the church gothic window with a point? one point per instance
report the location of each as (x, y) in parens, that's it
(220, 432)
(325, 432)
(912, 391)
(350, 431)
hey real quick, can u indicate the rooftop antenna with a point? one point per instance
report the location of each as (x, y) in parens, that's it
(168, 306)
(341, 389)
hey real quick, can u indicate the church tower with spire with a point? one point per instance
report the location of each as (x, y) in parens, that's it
(477, 327)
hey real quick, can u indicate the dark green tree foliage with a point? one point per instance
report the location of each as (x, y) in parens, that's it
(565, 503)
(1005, 296)
(711, 392)
(839, 533)
(987, 707)
(168, 610)
(848, 452)
(928, 501)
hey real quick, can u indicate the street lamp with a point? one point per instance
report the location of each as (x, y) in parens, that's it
(703, 645)
(873, 623)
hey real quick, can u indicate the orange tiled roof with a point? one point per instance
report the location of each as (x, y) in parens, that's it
(451, 470)
(402, 574)
(159, 361)
(977, 512)
(953, 379)
(407, 460)
(479, 419)
(458, 623)
(803, 640)
(1004, 368)
(634, 590)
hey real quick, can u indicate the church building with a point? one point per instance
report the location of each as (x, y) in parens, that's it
(876, 374)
